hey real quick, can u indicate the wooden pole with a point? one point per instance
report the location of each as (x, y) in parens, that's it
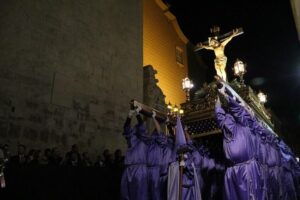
(181, 167)
(147, 111)
(181, 153)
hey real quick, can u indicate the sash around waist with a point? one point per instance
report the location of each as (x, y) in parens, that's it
(144, 165)
(136, 165)
(243, 163)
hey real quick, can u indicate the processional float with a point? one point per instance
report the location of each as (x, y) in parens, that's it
(199, 112)
(199, 115)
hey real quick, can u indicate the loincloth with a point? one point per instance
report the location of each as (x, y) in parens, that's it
(220, 62)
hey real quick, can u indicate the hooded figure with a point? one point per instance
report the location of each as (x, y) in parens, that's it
(208, 173)
(134, 183)
(168, 157)
(190, 186)
(273, 162)
(244, 116)
(289, 173)
(154, 160)
(262, 160)
(242, 181)
(197, 160)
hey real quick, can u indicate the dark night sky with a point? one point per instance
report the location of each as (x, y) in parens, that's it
(269, 46)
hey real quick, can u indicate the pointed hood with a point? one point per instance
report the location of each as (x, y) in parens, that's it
(180, 137)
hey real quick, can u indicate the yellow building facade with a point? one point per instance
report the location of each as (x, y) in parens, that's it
(164, 47)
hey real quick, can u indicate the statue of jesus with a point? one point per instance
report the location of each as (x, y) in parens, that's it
(218, 46)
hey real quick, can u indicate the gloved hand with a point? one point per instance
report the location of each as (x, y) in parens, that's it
(138, 109)
(153, 114)
(130, 113)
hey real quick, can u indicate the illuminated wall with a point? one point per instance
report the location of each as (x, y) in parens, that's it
(161, 36)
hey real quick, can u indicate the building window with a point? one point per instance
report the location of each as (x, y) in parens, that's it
(179, 56)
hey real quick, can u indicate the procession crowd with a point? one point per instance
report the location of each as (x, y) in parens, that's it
(41, 175)
(257, 164)
(247, 161)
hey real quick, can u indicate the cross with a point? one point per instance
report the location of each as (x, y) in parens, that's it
(217, 43)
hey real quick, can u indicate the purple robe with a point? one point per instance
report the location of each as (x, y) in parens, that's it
(288, 185)
(290, 171)
(198, 162)
(295, 169)
(190, 189)
(262, 159)
(134, 185)
(241, 114)
(245, 118)
(190, 186)
(154, 162)
(209, 184)
(207, 163)
(273, 168)
(241, 180)
(169, 156)
(288, 155)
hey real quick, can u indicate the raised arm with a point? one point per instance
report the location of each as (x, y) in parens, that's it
(156, 124)
(225, 121)
(138, 115)
(219, 111)
(127, 124)
(200, 46)
(240, 112)
(234, 33)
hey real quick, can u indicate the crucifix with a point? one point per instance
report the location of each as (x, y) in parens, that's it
(217, 43)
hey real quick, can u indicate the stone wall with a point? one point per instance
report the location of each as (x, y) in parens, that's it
(68, 70)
